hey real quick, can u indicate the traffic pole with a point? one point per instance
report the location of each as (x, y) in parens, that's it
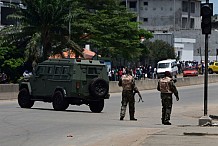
(205, 119)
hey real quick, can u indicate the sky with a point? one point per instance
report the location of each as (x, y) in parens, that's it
(215, 6)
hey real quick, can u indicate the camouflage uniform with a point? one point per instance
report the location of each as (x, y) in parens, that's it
(128, 84)
(167, 90)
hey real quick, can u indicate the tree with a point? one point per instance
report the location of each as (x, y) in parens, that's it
(42, 27)
(46, 26)
(107, 26)
(158, 50)
(11, 61)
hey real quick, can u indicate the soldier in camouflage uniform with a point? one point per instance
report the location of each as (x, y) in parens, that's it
(167, 87)
(128, 84)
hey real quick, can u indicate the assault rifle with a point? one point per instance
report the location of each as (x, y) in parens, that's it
(139, 94)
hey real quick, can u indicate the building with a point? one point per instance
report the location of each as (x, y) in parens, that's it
(5, 10)
(179, 17)
(166, 15)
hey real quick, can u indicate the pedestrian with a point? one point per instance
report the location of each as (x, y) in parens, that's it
(128, 84)
(167, 87)
(4, 78)
(110, 74)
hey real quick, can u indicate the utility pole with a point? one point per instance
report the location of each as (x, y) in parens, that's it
(216, 53)
(206, 13)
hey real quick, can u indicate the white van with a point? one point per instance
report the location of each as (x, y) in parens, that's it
(167, 65)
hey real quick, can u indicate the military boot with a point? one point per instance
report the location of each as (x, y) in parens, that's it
(167, 123)
(133, 119)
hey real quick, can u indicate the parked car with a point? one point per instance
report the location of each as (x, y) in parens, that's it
(190, 71)
(213, 67)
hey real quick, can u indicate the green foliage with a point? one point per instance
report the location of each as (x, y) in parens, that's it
(42, 25)
(109, 29)
(159, 50)
(49, 26)
(11, 61)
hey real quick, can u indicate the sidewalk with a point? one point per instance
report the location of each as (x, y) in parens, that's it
(184, 136)
(185, 130)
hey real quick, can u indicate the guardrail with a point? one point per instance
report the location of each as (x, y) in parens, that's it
(149, 84)
(10, 91)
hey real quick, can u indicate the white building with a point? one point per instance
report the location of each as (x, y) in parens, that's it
(184, 48)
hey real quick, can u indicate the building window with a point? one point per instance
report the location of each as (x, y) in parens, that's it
(192, 24)
(145, 3)
(132, 5)
(192, 7)
(134, 19)
(184, 22)
(145, 19)
(171, 9)
(123, 3)
(161, 8)
(184, 6)
(5, 11)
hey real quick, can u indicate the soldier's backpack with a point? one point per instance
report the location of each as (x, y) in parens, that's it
(165, 85)
(127, 82)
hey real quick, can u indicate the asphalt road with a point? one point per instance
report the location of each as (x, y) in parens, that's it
(77, 126)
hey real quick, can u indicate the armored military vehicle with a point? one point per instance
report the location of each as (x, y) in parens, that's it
(66, 81)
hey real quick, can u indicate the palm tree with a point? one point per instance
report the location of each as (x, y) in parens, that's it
(42, 27)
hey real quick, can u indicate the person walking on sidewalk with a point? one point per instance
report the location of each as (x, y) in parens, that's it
(128, 84)
(167, 87)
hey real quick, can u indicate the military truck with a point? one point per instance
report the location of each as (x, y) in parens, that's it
(66, 81)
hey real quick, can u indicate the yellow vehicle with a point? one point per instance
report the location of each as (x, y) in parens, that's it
(213, 67)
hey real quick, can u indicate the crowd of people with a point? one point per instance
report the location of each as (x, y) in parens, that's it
(149, 71)
(138, 73)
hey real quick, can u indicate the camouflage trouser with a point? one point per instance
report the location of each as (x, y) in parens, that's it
(166, 99)
(127, 97)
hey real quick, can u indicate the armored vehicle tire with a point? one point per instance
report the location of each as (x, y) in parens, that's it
(59, 103)
(24, 99)
(98, 88)
(96, 106)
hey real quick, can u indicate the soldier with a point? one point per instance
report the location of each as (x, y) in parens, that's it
(167, 87)
(128, 84)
